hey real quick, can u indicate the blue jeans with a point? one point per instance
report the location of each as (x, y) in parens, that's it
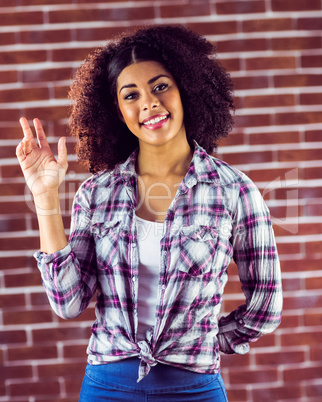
(118, 382)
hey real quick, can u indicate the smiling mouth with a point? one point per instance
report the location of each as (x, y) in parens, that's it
(155, 120)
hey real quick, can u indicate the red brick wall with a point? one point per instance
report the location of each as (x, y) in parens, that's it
(273, 50)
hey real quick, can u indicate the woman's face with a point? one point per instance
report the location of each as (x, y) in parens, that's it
(150, 104)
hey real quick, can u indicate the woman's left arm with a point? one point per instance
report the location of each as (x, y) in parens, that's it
(258, 265)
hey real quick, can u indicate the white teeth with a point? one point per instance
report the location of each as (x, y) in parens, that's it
(156, 120)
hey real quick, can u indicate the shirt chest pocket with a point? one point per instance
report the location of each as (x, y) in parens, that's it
(107, 241)
(198, 250)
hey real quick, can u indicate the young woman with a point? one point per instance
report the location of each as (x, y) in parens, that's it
(154, 228)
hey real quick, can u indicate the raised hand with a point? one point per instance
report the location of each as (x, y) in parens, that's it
(42, 172)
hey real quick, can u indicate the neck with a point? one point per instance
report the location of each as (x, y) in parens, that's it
(164, 161)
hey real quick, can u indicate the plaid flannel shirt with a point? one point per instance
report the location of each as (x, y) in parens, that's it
(217, 214)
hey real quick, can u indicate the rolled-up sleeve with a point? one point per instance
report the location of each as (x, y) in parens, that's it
(255, 253)
(69, 275)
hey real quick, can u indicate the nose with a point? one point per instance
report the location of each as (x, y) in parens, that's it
(149, 102)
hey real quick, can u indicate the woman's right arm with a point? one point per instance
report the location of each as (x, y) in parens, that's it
(43, 175)
(67, 268)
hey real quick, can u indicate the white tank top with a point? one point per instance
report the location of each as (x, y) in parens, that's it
(149, 236)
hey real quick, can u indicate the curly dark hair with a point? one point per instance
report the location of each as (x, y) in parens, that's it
(205, 87)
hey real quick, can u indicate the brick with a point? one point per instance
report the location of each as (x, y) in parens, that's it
(47, 113)
(232, 361)
(305, 373)
(173, 11)
(316, 353)
(249, 82)
(70, 54)
(253, 376)
(295, 5)
(313, 247)
(268, 175)
(8, 76)
(237, 394)
(39, 299)
(46, 36)
(10, 337)
(309, 23)
(29, 279)
(9, 372)
(27, 317)
(76, 352)
(15, 207)
(18, 57)
(296, 43)
(312, 209)
(311, 136)
(44, 2)
(298, 118)
(61, 370)
(242, 45)
(311, 61)
(313, 173)
(11, 224)
(292, 357)
(96, 34)
(73, 385)
(60, 334)
(32, 353)
(24, 95)
(302, 230)
(13, 262)
(19, 243)
(213, 28)
(22, 18)
(311, 99)
(108, 14)
(273, 393)
(244, 158)
(232, 139)
(8, 301)
(35, 388)
(299, 155)
(50, 74)
(231, 64)
(9, 114)
(289, 321)
(312, 318)
(240, 7)
(265, 63)
(299, 80)
(264, 25)
(309, 264)
(269, 101)
(274, 138)
(314, 390)
(252, 120)
(291, 284)
(302, 338)
(288, 248)
(7, 38)
(299, 302)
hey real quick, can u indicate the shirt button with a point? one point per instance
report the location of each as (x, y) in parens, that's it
(133, 278)
(134, 311)
(241, 322)
(163, 287)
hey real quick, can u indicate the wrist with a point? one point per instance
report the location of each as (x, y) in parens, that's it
(47, 203)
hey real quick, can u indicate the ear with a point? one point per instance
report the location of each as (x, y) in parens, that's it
(120, 116)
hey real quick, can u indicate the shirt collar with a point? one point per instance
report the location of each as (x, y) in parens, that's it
(202, 169)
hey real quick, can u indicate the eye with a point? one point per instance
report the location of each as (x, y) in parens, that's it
(130, 96)
(160, 87)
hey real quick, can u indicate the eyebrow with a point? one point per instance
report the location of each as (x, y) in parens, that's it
(151, 81)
